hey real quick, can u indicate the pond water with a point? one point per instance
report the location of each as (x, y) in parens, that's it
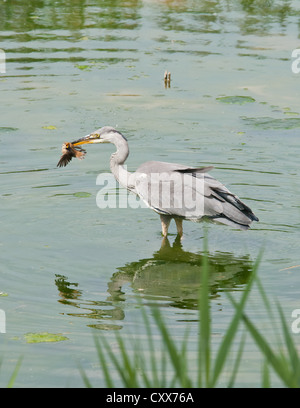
(69, 267)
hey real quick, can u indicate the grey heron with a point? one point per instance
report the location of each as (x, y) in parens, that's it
(174, 191)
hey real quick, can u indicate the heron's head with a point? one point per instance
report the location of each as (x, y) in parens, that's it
(106, 134)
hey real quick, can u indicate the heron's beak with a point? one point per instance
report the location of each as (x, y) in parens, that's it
(88, 139)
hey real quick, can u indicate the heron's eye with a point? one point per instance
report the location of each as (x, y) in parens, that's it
(67, 145)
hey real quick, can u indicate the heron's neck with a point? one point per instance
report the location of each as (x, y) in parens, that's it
(117, 161)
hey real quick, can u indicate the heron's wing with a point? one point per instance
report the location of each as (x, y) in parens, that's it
(165, 167)
(173, 193)
(194, 171)
(185, 192)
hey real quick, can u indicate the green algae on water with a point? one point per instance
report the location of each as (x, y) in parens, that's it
(266, 122)
(44, 337)
(81, 194)
(237, 100)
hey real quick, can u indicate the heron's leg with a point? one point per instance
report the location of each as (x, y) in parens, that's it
(165, 222)
(179, 226)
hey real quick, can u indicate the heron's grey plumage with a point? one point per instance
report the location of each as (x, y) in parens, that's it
(219, 204)
(175, 190)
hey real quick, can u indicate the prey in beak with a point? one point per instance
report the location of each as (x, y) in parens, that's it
(68, 152)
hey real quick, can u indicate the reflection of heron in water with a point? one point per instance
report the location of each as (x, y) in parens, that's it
(172, 277)
(172, 190)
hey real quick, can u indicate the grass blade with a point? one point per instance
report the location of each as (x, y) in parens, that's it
(204, 321)
(266, 376)
(15, 373)
(224, 348)
(103, 363)
(292, 351)
(84, 377)
(279, 364)
(114, 360)
(129, 369)
(237, 362)
(154, 369)
(175, 357)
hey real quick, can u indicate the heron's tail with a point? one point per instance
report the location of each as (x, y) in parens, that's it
(235, 212)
